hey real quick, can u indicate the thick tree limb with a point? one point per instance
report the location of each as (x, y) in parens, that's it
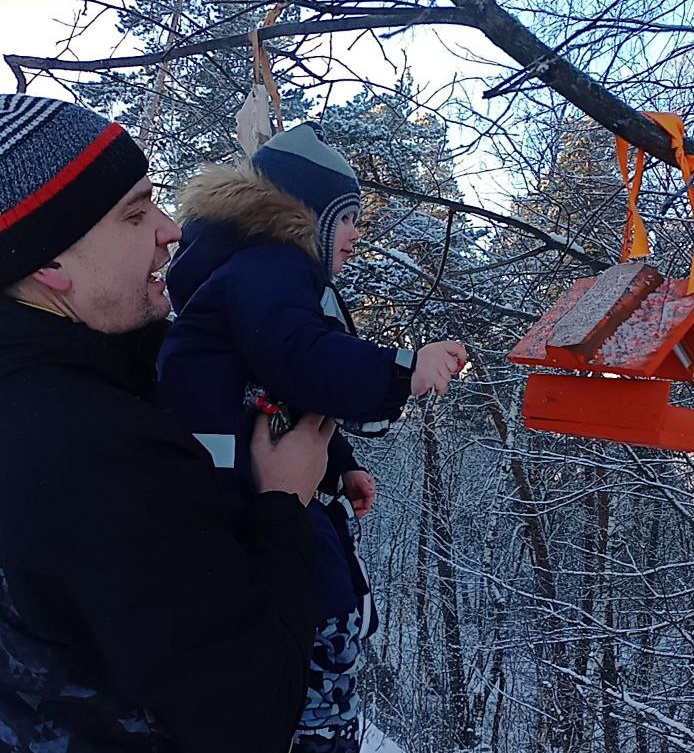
(539, 60)
(502, 29)
(388, 19)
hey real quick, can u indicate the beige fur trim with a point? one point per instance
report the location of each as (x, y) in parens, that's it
(239, 194)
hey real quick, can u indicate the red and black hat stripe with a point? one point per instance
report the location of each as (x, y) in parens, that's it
(49, 220)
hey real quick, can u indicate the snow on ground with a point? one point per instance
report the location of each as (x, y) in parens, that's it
(376, 742)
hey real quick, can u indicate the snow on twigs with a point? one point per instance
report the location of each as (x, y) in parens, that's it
(573, 246)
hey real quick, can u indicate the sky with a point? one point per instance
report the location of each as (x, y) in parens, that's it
(39, 27)
(36, 27)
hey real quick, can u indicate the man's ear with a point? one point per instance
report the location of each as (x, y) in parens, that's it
(53, 276)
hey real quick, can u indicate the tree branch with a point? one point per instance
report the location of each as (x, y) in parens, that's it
(541, 61)
(388, 19)
(548, 240)
(501, 28)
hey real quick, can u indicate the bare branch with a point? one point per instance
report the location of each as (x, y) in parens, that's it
(548, 240)
(506, 32)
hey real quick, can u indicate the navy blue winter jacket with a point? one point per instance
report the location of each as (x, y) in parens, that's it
(132, 616)
(254, 305)
(260, 309)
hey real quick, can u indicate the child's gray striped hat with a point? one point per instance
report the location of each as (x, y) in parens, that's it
(299, 162)
(62, 168)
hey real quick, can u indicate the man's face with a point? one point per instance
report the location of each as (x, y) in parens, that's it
(110, 269)
(346, 236)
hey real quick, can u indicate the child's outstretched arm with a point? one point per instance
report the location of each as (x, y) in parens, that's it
(280, 311)
(286, 326)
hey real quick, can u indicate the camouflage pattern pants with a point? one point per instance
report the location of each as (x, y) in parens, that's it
(329, 740)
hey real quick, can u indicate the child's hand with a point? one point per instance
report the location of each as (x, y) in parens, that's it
(436, 364)
(360, 490)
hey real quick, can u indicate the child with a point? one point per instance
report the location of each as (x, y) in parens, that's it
(260, 322)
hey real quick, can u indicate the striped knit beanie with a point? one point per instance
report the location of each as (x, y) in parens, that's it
(300, 163)
(62, 168)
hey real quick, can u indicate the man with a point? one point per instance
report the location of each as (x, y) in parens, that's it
(130, 616)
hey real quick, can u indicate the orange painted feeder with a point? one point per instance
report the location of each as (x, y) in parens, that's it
(628, 322)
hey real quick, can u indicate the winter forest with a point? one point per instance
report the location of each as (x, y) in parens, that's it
(536, 591)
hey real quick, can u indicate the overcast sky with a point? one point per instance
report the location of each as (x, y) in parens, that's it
(39, 27)
(35, 27)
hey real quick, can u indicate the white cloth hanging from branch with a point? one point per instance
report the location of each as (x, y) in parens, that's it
(253, 119)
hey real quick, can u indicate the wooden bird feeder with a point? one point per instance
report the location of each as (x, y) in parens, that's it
(628, 322)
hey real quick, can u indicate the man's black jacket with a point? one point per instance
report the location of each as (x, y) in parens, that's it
(131, 618)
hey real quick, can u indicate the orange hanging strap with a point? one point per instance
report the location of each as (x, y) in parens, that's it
(675, 127)
(274, 14)
(255, 44)
(261, 62)
(639, 247)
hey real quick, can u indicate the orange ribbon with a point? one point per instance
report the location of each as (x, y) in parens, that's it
(635, 244)
(261, 62)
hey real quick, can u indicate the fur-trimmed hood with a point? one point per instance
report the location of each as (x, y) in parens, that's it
(241, 196)
(228, 208)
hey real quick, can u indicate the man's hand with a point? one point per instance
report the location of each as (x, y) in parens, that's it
(360, 490)
(436, 364)
(297, 463)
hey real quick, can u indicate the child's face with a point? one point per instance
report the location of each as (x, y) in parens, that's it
(346, 236)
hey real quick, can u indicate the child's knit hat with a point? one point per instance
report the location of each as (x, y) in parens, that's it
(62, 168)
(300, 163)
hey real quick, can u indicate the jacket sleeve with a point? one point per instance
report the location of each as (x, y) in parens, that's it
(211, 635)
(340, 460)
(273, 302)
